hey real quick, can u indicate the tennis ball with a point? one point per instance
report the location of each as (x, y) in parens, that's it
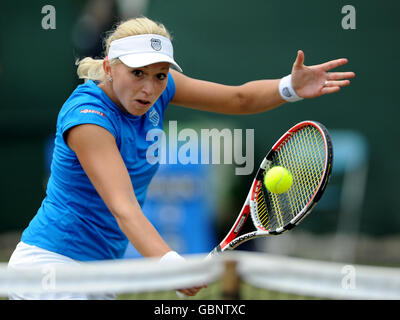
(278, 180)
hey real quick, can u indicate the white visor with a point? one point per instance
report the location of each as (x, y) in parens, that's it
(142, 50)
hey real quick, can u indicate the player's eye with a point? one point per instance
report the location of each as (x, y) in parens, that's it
(161, 76)
(137, 72)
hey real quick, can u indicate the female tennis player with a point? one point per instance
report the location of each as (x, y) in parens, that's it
(100, 174)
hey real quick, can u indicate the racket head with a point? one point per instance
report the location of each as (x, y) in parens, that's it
(306, 151)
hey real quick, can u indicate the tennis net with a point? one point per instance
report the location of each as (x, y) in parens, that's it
(233, 275)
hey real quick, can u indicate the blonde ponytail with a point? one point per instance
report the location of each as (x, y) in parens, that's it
(89, 68)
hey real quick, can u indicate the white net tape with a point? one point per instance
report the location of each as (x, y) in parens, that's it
(320, 279)
(283, 274)
(120, 276)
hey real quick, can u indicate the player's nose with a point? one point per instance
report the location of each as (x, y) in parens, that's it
(148, 88)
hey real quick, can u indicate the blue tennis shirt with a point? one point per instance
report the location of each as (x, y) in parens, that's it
(73, 220)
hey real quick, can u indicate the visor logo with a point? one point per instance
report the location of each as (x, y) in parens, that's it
(156, 44)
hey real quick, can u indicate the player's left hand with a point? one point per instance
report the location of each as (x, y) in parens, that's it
(314, 81)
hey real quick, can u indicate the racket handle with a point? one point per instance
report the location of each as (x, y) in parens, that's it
(215, 252)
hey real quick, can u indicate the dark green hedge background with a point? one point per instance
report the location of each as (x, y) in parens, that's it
(226, 41)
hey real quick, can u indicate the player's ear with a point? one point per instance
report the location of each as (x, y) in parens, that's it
(107, 67)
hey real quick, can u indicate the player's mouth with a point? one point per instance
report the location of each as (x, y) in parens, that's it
(143, 103)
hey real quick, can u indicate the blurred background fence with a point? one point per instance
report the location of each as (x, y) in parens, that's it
(230, 42)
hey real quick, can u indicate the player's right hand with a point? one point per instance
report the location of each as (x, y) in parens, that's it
(191, 291)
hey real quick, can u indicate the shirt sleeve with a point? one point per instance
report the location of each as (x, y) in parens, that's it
(89, 114)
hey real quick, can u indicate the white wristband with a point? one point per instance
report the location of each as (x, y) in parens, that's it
(286, 90)
(171, 256)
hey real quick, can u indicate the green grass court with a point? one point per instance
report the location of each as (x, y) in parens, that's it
(214, 292)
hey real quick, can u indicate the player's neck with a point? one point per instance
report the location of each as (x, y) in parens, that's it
(107, 88)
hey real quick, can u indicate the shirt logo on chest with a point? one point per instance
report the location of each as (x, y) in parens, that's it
(154, 117)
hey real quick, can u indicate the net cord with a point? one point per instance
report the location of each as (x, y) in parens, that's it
(272, 272)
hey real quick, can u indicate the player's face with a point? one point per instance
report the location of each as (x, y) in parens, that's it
(135, 90)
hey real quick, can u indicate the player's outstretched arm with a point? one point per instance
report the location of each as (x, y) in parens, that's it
(260, 95)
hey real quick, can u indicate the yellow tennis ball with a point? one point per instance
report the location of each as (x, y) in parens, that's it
(278, 180)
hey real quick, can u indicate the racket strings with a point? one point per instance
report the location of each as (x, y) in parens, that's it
(307, 166)
(303, 154)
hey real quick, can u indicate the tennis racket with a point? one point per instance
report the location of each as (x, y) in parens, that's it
(306, 151)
